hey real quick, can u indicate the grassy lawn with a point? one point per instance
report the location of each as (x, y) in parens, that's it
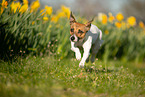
(50, 76)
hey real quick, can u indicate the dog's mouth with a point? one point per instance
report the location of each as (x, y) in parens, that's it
(74, 38)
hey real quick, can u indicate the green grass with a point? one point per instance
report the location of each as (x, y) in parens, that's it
(50, 76)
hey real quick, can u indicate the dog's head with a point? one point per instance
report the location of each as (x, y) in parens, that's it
(78, 30)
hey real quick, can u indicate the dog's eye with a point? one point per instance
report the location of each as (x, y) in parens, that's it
(80, 31)
(72, 29)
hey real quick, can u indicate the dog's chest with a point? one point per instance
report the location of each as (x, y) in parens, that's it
(93, 33)
(79, 43)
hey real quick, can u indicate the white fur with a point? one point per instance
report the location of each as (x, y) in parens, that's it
(92, 41)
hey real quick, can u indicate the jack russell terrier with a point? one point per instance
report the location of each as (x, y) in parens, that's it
(87, 36)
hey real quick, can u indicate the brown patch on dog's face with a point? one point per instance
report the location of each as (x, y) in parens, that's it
(79, 29)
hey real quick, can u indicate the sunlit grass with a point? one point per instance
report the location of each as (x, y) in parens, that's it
(51, 76)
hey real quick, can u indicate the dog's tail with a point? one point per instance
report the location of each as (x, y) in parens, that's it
(100, 36)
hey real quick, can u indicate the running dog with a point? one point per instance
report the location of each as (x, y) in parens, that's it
(86, 36)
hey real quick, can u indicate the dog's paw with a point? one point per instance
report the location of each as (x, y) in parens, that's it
(78, 56)
(81, 65)
(92, 59)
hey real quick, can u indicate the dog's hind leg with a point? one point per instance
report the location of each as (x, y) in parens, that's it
(94, 54)
(95, 49)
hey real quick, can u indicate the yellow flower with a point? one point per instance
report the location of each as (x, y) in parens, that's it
(3, 5)
(104, 19)
(45, 18)
(42, 12)
(131, 21)
(118, 24)
(1, 10)
(24, 8)
(25, 1)
(66, 10)
(111, 18)
(33, 22)
(119, 17)
(48, 10)
(61, 14)
(18, 5)
(106, 32)
(141, 24)
(54, 19)
(15, 6)
(34, 6)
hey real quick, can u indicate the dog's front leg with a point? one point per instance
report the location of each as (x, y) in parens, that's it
(76, 50)
(87, 46)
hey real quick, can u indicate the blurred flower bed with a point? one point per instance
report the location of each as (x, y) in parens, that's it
(28, 29)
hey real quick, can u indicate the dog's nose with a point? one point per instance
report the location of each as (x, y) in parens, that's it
(72, 38)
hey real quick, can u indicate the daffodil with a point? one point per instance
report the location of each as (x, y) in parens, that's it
(48, 10)
(33, 22)
(24, 8)
(118, 24)
(61, 14)
(111, 18)
(15, 6)
(34, 6)
(66, 10)
(45, 18)
(42, 11)
(54, 19)
(131, 21)
(106, 32)
(102, 18)
(4, 5)
(25, 1)
(119, 17)
(141, 24)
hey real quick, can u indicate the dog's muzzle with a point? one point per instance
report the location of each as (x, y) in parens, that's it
(73, 38)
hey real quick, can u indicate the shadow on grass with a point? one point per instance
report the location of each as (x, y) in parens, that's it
(103, 70)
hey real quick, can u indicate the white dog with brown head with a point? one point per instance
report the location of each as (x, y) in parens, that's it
(87, 36)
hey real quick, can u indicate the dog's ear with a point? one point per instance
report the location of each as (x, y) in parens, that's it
(88, 25)
(72, 18)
